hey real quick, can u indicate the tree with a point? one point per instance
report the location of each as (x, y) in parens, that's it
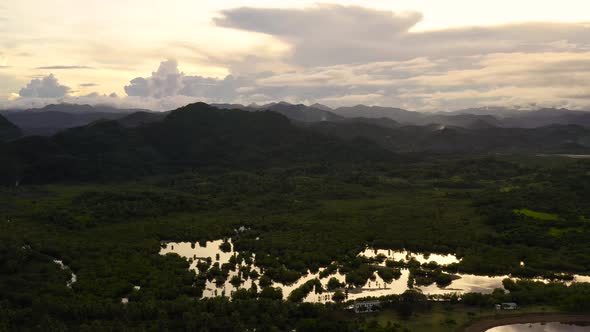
(265, 281)
(236, 281)
(333, 284)
(338, 296)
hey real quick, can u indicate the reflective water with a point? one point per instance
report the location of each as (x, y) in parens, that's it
(540, 327)
(406, 256)
(73, 279)
(375, 286)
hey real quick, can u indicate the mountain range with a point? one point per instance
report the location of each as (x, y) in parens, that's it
(474, 118)
(197, 135)
(134, 143)
(53, 118)
(50, 119)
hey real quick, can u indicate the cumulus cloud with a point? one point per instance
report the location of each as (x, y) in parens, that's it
(166, 81)
(551, 79)
(46, 87)
(169, 81)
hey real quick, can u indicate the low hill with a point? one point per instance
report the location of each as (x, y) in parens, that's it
(8, 130)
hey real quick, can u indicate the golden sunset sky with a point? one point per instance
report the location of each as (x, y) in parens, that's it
(418, 54)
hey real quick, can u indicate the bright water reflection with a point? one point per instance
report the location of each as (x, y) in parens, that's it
(540, 327)
(73, 278)
(375, 286)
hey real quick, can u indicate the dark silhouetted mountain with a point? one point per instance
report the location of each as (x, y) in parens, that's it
(546, 117)
(299, 112)
(475, 118)
(141, 118)
(322, 107)
(250, 108)
(495, 111)
(417, 118)
(370, 114)
(200, 134)
(381, 122)
(84, 108)
(445, 139)
(363, 111)
(8, 130)
(469, 121)
(53, 118)
(197, 135)
(515, 118)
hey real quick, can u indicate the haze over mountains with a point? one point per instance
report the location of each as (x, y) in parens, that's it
(123, 143)
(53, 118)
(394, 129)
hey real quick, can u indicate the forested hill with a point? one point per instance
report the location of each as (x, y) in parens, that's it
(200, 135)
(8, 130)
(554, 139)
(197, 135)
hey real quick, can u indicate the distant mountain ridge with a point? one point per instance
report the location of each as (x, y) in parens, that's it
(474, 118)
(197, 135)
(54, 118)
(298, 112)
(447, 139)
(200, 135)
(51, 119)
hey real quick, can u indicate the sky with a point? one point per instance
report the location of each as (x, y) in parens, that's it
(423, 55)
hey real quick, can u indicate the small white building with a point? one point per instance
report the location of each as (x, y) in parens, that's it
(509, 306)
(366, 306)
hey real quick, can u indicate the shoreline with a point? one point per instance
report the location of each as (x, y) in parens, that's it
(483, 324)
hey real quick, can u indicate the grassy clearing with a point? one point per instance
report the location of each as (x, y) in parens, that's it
(559, 232)
(444, 317)
(537, 215)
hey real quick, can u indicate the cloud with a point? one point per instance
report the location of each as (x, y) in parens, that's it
(333, 34)
(425, 84)
(168, 81)
(60, 67)
(322, 21)
(326, 34)
(165, 82)
(342, 55)
(46, 87)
